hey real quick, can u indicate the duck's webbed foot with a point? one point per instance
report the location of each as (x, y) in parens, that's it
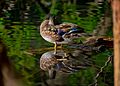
(55, 48)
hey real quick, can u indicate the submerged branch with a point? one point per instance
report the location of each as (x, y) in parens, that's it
(101, 70)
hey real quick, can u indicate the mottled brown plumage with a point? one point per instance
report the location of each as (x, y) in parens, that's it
(59, 34)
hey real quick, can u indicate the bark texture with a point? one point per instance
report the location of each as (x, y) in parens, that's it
(116, 31)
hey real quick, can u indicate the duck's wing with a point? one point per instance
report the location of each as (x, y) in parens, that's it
(67, 27)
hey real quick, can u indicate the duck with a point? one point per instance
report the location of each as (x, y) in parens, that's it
(59, 34)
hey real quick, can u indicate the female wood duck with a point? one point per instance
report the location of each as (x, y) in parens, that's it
(59, 34)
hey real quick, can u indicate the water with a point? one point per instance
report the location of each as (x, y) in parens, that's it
(19, 29)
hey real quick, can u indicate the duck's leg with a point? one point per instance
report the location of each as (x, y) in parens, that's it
(59, 46)
(55, 48)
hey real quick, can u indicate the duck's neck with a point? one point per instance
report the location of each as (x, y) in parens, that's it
(51, 22)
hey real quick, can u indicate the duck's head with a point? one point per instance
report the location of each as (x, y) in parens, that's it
(47, 23)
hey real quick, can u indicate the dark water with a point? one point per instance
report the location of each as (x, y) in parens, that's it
(19, 30)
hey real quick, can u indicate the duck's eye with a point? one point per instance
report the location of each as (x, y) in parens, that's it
(51, 28)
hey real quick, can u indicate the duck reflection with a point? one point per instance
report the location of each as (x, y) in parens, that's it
(71, 59)
(65, 62)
